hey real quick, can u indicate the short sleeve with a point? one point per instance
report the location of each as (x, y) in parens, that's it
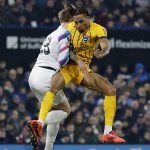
(70, 27)
(64, 41)
(101, 32)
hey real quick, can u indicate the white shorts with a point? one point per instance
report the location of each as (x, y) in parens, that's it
(40, 82)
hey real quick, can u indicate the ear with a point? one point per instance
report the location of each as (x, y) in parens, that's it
(88, 17)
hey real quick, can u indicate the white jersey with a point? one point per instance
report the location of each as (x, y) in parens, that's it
(55, 49)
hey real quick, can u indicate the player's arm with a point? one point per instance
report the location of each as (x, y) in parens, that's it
(66, 50)
(63, 57)
(63, 42)
(73, 57)
(102, 49)
(79, 62)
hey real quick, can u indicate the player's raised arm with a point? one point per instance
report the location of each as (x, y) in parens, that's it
(102, 48)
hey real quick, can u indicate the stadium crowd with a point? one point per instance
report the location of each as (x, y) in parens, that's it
(85, 123)
(109, 13)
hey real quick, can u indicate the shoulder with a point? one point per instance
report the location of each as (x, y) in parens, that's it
(99, 30)
(96, 26)
(71, 26)
(64, 35)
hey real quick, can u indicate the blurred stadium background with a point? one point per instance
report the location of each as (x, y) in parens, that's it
(23, 26)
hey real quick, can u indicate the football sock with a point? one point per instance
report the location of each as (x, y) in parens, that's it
(52, 131)
(55, 116)
(109, 110)
(46, 105)
(107, 129)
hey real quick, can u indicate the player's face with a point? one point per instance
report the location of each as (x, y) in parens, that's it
(82, 22)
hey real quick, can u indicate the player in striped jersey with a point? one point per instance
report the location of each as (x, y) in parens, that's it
(54, 54)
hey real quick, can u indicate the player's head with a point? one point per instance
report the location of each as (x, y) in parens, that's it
(81, 18)
(80, 15)
(65, 16)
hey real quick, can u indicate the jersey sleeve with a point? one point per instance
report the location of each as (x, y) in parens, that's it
(70, 27)
(63, 42)
(101, 32)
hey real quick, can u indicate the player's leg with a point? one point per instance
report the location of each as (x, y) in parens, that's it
(40, 82)
(98, 83)
(59, 111)
(51, 133)
(53, 123)
(58, 82)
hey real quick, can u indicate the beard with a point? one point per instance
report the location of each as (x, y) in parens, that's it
(81, 30)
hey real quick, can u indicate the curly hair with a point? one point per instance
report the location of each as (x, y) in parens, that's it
(76, 9)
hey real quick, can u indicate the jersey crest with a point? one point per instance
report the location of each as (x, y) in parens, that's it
(85, 39)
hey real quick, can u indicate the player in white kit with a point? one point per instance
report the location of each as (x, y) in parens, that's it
(54, 54)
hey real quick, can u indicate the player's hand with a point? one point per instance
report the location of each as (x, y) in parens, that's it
(99, 53)
(82, 67)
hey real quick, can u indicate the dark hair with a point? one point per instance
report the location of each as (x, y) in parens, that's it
(70, 7)
(80, 9)
(76, 9)
(64, 15)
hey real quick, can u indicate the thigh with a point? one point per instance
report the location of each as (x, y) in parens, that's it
(69, 72)
(40, 81)
(96, 82)
(57, 83)
(78, 79)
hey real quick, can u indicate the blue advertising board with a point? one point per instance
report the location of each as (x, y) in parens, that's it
(80, 147)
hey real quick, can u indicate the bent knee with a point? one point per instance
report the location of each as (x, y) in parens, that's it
(111, 91)
(54, 89)
(67, 110)
(64, 107)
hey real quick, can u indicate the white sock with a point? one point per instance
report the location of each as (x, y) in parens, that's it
(52, 120)
(107, 129)
(55, 116)
(52, 131)
(42, 122)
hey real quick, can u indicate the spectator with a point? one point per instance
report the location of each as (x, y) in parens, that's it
(31, 14)
(71, 129)
(147, 137)
(49, 12)
(3, 71)
(123, 21)
(89, 136)
(140, 74)
(3, 135)
(109, 73)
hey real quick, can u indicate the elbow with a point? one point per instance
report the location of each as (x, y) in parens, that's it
(107, 49)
